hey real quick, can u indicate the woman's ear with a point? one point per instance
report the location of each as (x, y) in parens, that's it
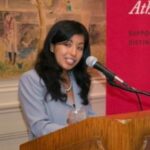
(52, 48)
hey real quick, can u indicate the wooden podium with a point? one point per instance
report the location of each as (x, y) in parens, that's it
(115, 132)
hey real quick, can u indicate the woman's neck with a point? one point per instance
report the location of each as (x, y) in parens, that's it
(65, 76)
(67, 84)
(66, 81)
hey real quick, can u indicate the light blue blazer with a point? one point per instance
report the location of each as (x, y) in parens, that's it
(44, 116)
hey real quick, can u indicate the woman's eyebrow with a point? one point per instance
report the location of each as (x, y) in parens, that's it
(62, 42)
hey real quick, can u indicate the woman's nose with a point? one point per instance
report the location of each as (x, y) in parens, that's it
(73, 51)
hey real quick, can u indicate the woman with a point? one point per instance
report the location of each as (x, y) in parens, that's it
(59, 80)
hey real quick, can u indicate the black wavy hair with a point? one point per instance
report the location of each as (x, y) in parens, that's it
(48, 69)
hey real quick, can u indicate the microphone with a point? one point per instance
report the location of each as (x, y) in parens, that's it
(91, 61)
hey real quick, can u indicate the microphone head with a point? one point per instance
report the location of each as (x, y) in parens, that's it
(90, 61)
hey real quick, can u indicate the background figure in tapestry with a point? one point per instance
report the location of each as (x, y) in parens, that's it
(10, 31)
(27, 45)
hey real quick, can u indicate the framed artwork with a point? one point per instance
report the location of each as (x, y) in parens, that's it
(24, 25)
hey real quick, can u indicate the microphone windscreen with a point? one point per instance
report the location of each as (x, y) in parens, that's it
(90, 61)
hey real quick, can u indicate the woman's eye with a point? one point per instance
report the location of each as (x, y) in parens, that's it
(80, 48)
(68, 44)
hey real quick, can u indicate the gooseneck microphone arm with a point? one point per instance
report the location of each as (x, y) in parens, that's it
(91, 61)
(114, 80)
(129, 89)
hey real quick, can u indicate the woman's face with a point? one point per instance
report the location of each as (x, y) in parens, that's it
(69, 53)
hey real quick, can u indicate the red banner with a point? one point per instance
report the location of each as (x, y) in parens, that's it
(128, 52)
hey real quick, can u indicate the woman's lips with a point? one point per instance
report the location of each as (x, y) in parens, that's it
(70, 61)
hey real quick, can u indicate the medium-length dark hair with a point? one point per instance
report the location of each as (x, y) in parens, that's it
(50, 71)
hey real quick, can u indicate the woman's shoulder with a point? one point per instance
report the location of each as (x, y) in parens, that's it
(31, 76)
(30, 81)
(30, 73)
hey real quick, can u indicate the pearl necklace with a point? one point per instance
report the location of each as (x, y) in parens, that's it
(69, 88)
